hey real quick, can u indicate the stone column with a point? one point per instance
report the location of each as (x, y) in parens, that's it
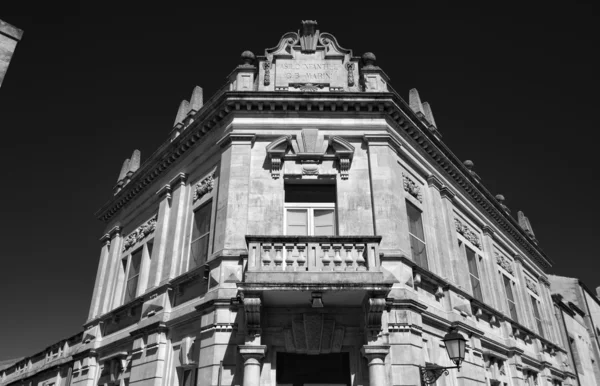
(160, 236)
(376, 360)
(112, 266)
(176, 228)
(252, 363)
(100, 277)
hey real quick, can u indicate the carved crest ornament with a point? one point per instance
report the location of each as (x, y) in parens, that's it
(467, 233)
(140, 233)
(204, 186)
(504, 262)
(412, 188)
(531, 285)
(310, 149)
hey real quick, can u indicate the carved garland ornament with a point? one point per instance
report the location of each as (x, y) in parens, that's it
(350, 68)
(267, 67)
(140, 233)
(467, 233)
(412, 188)
(504, 263)
(531, 285)
(204, 186)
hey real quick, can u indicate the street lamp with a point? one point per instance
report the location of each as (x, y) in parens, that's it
(455, 346)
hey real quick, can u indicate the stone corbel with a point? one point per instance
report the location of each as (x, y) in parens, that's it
(186, 351)
(344, 152)
(276, 150)
(252, 308)
(374, 308)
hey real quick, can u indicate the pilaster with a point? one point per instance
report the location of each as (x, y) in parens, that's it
(389, 209)
(491, 285)
(175, 232)
(458, 272)
(100, 277)
(149, 356)
(160, 236)
(234, 183)
(113, 266)
(434, 208)
(523, 302)
(549, 321)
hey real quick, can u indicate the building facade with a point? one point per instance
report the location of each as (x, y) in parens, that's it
(306, 225)
(580, 308)
(9, 37)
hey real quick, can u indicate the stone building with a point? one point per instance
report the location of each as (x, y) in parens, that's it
(307, 225)
(9, 37)
(580, 308)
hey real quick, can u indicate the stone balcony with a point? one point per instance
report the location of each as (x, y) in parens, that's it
(308, 262)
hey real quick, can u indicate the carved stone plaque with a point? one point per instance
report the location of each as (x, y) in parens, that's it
(310, 70)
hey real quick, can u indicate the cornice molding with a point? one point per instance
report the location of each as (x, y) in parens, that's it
(224, 102)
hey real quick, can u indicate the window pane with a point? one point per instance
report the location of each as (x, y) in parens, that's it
(419, 253)
(472, 261)
(415, 223)
(309, 193)
(134, 267)
(508, 288)
(297, 222)
(201, 221)
(324, 222)
(199, 252)
(131, 288)
(476, 284)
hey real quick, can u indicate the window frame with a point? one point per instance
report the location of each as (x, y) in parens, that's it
(208, 204)
(463, 244)
(310, 208)
(513, 283)
(410, 235)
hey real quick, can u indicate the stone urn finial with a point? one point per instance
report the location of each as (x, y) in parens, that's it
(469, 164)
(248, 58)
(500, 198)
(369, 59)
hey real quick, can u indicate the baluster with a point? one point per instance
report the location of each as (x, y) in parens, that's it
(349, 260)
(325, 259)
(266, 257)
(289, 258)
(301, 260)
(360, 258)
(337, 259)
(278, 260)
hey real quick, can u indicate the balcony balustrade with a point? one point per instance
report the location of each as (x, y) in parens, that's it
(313, 259)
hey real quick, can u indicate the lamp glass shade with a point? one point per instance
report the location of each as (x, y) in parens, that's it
(455, 346)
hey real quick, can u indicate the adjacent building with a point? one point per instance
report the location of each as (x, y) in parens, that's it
(308, 226)
(580, 308)
(9, 37)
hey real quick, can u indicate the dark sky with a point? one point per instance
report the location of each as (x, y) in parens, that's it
(514, 90)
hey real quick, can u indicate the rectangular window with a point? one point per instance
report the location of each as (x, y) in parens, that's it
(512, 306)
(310, 210)
(474, 273)
(188, 377)
(133, 275)
(417, 236)
(200, 236)
(536, 314)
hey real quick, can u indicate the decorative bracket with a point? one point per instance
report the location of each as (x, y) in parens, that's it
(252, 305)
(374, 312)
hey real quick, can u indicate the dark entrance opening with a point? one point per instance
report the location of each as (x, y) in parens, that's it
(300, 369)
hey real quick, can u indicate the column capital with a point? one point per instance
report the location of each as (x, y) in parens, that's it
(164, 192)
(435, 182)
(382, 140)
(488, 231)
(252, 352)
(375, 352)
(105, 240)
(115, 231)
(518, 258)
(236, 139)
(447, 193)
(178, 180)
